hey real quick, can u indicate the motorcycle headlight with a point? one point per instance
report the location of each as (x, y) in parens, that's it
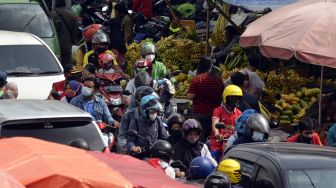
(116, 102)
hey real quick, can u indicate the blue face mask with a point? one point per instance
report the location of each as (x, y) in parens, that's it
(86, 92)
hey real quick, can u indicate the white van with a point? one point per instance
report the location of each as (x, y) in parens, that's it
(30, 63)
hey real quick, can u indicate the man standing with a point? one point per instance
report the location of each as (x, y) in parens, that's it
(67, 29)
(92, 104)
(121, 12)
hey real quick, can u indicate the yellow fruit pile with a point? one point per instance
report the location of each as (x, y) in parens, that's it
(184, 81)
(293, 105)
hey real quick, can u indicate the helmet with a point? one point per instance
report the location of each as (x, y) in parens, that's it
(161, 149)
(165, 85)
(230, 167)
(149, 49)
(90, 30)
(191, 124)
(241, 120)
(100, 37)
(142, 65)
(257, 123)
(105, 58)
(200, 167)
(143, 91)
(142, 79)
(232, 90)
(174, 118)
(216, 180)
(149, 102)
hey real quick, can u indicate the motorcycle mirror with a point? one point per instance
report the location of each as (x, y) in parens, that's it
(130, 11)
(220, 126)
(131, 132)
(105, 8)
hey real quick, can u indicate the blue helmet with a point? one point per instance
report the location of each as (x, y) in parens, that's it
(200, 168)
(149, 102)
(241, 120)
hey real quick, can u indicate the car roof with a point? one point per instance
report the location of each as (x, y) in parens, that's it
(293, 155)
(18, 38)
(29, 109)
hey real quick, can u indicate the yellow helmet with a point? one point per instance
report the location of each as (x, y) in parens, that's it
(230, 167)
(232, 90)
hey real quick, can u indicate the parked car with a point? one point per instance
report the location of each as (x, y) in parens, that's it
(49, 120)
(30, 63)
(29, 16)
(285, 165)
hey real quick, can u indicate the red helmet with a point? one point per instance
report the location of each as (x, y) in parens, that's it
(90, 30)
(105, 58)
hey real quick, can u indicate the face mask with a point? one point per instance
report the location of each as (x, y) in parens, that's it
(150, 57)
(258, 137)
(107, 66)
(152, 117)
(9, 94)
(100, 50)
(86, 92)
(176, 133)
(233, 103)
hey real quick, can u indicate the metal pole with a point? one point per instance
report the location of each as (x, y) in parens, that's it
(207, 28)
(320, 98)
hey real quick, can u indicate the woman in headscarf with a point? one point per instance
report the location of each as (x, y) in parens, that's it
(72, 89)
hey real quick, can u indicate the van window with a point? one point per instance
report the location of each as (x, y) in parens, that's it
(59, 132)
(23, 60)
(29, 18)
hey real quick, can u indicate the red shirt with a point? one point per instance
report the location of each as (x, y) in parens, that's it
(208, 91)
(315, 140)
(143, 6)
(229, 120)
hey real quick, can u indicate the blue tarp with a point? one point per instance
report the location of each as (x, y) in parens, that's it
(259, 5)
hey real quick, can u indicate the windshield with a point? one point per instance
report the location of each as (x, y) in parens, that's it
(59, 132)
(19, 60)
(312, 178)
(29, 18)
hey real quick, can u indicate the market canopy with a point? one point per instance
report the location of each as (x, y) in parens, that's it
(260, 5)
(305, 30)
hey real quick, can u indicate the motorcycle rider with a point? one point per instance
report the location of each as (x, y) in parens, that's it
(139, 93)
(158, 69)
(240, 127)
(71, 90)
(141, 65)
(87, 33)
(106, 63)
(217, 180)
(227, 114)
(232, 169)
(175, 123)
(257, 130)
(160, 156)
(100, 43)
(145, 121)
(190, 147)
(92, 104)
(166, 90)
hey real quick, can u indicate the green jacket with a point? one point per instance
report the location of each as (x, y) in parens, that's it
(159, 70)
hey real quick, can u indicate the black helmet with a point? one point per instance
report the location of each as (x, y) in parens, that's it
(142, 79)
(161, 149)
(79, 143)
(217, 179)
(143, 91)
(175, 118)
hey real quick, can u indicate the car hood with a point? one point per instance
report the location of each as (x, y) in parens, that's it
(35, 87)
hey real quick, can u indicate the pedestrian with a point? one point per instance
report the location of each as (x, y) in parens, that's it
(205, 91)
(11, 91)
(306, 133)
(3, 82)
(121, 12)
(118, 45)
(93, 104)
(67, 30)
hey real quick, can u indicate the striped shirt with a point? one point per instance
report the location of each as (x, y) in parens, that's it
(208, 91)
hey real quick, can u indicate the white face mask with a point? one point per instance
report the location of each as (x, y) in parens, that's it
(150, 57)
(258, 137)
(152, 117)
(86, 91)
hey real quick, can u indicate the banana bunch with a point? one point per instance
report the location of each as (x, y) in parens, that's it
(133, 54)
(236, 58)
(184, 81)
(218, 35)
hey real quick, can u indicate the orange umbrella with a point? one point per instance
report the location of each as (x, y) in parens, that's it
(306, 30)
(7, 181)
(37, 163)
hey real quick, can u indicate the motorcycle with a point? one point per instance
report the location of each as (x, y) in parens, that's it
(108, 136)
(112, 93)
(145, 151)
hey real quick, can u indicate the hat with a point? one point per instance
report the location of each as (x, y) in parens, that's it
(70, 68)
(3, 78)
